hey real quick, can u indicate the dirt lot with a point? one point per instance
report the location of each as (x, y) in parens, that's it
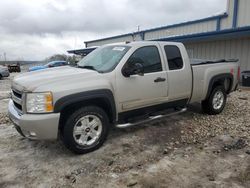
(186, 150)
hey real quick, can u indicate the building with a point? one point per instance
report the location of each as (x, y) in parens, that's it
(217, 37)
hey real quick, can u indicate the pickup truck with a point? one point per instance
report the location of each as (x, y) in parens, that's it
(116, 85)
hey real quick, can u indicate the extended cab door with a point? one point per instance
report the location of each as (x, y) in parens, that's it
(179, 72)
(141, 91)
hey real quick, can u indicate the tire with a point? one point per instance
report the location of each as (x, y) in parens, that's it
(1, 77)
(214, 104)
(79, 135)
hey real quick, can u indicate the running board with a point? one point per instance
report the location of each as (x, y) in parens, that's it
(151, 118)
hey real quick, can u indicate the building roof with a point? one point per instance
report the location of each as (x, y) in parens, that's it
(217, 17)
(218, 28)
(82, 52)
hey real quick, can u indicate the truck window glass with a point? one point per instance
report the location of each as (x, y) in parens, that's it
(174, 57)
(106, 58)
(149, 57)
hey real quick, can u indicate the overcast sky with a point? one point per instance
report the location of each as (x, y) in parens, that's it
(36, 29)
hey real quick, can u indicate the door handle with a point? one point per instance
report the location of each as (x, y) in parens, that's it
(159, 79)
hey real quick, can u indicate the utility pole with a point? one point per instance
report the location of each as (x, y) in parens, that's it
(4, 55)
(138, 28)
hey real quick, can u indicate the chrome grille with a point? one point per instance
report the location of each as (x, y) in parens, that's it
(17, 99)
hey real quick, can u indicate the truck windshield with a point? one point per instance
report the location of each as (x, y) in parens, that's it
(104, 59)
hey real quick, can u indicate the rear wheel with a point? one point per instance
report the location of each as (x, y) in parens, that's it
(1, 77)
(86, 129)
(216, 101)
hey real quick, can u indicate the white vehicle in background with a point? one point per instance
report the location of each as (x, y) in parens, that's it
(4, 72)
(120, 85)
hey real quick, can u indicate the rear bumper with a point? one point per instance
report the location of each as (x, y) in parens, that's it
(35, 126)
(5, 74)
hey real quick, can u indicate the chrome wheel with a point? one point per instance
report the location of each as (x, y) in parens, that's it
(87, 130)
(218, 100)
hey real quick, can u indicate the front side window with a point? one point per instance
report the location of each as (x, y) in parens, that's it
(174, 57)
(104, 59)
(149, 57)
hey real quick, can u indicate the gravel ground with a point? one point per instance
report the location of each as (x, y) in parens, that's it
(185, 150)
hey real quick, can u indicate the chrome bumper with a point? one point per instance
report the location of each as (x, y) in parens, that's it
(35, 126)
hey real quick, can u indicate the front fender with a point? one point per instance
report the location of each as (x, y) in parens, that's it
(104, 94)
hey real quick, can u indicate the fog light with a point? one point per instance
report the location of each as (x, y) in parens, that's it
(32, 133)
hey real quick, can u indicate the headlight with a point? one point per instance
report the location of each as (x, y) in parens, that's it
(39, 102)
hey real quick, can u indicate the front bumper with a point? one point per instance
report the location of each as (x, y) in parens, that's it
(35, 126)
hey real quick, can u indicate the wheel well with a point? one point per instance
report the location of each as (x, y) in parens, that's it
(100, 102)
(220, 80)
(226, 82)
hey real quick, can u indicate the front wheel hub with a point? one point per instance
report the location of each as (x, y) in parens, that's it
(87, 130)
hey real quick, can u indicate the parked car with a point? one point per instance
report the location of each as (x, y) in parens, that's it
(4, 72)
(120, 85)
(14, 68)
(49, 65)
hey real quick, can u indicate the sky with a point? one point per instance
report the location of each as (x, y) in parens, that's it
(36, 29)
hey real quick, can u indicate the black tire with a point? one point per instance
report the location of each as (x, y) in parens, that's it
(207, 105)
(68, 138)
(1, 77)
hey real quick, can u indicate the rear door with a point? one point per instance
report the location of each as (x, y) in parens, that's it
(140, 91)
(179, 72)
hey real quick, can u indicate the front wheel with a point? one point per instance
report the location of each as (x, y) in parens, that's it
(216, 101)
(86, 129)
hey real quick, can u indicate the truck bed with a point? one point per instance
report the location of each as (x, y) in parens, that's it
(195, 62)
(204, 70)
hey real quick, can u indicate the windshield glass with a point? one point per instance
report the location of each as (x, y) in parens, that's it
(104, 59)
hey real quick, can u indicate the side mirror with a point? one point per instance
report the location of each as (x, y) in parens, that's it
(136, 68)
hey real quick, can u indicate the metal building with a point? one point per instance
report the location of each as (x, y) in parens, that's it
(222, 36)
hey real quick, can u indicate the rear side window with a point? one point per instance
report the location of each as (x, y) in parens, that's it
(149, 57)
(173, 54)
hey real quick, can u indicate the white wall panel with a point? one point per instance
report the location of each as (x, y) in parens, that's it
(226, 23)
(229, 49)
(243, 13)
(182, 30)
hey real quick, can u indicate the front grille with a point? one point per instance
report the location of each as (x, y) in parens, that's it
(19, 95)
(18, 106)
(17, 99)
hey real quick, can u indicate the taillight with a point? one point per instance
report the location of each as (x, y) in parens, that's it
(238, 75)
(232, 71)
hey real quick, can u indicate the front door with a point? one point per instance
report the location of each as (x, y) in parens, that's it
(138, 91)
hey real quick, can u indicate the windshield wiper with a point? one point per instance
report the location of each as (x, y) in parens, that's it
(88, 67)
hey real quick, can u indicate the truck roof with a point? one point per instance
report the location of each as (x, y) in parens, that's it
(139, 43)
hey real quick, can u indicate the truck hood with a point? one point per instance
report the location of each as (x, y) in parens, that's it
(31, 80)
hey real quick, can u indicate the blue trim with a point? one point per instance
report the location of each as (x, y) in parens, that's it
(238, 32)
(218, 24)
(142, 34)
(189, 22)
(235, 14)
(233, 32)
(164, 27)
